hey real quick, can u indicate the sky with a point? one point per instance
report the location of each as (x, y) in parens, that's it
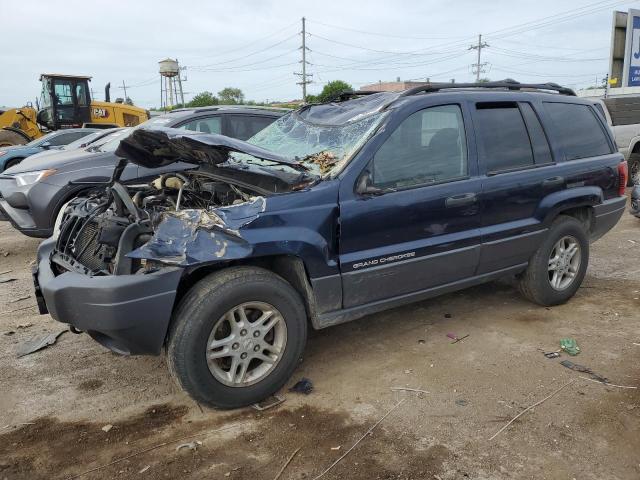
(255, 45)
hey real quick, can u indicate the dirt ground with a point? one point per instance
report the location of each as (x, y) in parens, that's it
(55, 403)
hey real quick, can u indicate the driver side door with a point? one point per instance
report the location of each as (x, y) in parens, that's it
(416, 225)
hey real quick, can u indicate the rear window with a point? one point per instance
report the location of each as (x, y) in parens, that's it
(504, 140)
(578, 130)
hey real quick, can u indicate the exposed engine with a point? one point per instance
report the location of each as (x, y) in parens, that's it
(96, 232)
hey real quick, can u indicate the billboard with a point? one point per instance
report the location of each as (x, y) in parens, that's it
(633, 52)
(624, 61)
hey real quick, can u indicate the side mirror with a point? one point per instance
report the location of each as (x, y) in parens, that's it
(46, 145)
(365, 185)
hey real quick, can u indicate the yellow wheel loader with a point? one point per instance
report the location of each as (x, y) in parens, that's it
(65, 102)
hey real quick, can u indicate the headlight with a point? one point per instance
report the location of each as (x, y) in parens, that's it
(29, 178)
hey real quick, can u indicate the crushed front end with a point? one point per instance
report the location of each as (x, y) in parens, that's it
(114, 265)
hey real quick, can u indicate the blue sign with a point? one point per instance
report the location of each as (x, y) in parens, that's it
(634, 63)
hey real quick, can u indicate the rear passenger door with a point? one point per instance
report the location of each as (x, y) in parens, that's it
(419, 227)
(518, 170)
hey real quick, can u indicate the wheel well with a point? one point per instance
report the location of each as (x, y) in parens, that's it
(12, 162)
(636, 148)
(288, 267)
(583, 214)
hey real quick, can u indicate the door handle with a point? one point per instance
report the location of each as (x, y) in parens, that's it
(461, 200)
(553, 182)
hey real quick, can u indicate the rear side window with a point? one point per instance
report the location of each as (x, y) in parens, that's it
(504, 141)
(541, 150)
(66, 138)
(204, 125)
(244, 127)
(578, 130)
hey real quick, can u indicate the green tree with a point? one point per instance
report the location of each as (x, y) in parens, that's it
(333, 89)
(231, 96)
(203, 99)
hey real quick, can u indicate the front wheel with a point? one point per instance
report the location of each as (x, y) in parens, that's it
(556, 270)
(237, 336)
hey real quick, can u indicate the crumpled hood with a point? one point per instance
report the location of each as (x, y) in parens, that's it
(158, 147)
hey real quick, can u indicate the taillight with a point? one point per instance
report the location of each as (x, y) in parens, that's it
(623, 177)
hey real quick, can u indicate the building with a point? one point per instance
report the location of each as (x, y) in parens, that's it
(397, 86)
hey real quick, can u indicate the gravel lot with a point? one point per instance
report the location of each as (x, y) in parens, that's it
(55, 403)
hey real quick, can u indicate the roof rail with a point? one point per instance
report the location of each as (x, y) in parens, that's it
(346, 95)
(508, 84)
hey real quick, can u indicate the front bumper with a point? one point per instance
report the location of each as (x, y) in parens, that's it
(129, 314)
(15, 206)
(606, 215)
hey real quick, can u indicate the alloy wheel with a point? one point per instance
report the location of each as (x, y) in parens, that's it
(246, 344)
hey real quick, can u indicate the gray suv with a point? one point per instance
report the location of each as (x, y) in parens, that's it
(32, 193)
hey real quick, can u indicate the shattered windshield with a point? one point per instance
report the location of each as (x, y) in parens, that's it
(323, 149)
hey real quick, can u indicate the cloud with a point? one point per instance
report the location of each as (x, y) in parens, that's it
(219, 42)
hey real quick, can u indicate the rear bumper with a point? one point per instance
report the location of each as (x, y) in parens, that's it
(129, 314)
(606, 215)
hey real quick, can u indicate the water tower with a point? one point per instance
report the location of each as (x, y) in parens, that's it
(171, 83)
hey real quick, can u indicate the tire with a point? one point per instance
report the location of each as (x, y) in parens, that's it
(634, 169)
(9, 138)
(12, 163)
(206, 305)
(536, 282)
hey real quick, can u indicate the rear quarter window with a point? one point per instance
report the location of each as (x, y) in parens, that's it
(577, 130)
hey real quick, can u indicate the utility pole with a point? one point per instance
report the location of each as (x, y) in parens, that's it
(304, 82)
(479, 66)
(125, 91)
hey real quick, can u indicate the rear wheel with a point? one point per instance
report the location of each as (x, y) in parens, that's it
(556, 270)
(237, 336)
(9, 138)
(634, 169)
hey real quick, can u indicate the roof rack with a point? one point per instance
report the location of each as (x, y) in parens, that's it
(508, 84)
(346, 95)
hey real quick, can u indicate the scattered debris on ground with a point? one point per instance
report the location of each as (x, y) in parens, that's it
(304, 385)
(190, 445)
(570, 346)
(530, 408)
(581, 368)
(38, 343)
(268, 403)
(455, 338)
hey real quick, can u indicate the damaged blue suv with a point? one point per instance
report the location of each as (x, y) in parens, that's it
(333, 212)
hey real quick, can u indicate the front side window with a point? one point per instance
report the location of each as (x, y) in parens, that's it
(503, 138)
(578, 130)
(204, 125)
(81, 93)
(62, 92)
(427, 147)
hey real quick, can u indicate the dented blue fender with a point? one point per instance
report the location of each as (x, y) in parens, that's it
(300, 224)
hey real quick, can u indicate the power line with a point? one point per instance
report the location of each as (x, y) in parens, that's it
(261, 39)
(377, 34)
(244, 56)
